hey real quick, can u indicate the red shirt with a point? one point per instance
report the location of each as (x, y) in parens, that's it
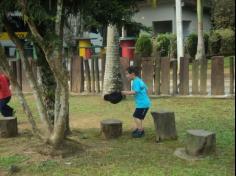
(4, 87)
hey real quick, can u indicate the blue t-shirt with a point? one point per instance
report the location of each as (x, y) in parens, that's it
(141, 96)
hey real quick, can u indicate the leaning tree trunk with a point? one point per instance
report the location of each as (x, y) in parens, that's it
(4, 65)
(112, 78)
(47, 82)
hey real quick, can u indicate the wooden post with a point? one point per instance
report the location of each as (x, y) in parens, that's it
(147, 73)
(232, 75)
(97, 74)
(203, 76)
(165, 125)
(111, 128)
(184, 76)
(103, 58)
(200, 142)
(124, 65)
(8, 127)
(195, 77)
(77, 74)
(174, 75)
(165, 75)
(217, 76)
(92, 75)
(87, 75)
(157, 74)
(137, 60)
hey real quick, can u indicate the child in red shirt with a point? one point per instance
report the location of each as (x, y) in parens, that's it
(5, 96)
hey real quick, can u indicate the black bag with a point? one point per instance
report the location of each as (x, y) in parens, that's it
(114, 97)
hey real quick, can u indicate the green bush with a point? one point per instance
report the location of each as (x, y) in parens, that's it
(227, 42)
(173, 45)
(163, 44)
(215, 43)
(143, 46)
(191, 45)
(206, 43)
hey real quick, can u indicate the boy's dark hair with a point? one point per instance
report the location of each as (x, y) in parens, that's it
(133, 69)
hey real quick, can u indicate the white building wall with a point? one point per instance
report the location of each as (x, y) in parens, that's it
(146, 15)
(166, 12)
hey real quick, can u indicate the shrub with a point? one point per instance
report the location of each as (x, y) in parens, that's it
(191, 45)
(143, 46)
(227, 42)
(206, 43)
(163, 44)
(173, 45)
(215, 43)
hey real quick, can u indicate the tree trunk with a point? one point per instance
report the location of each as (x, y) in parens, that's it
(60, 124)
(112, 77)
(200, 47)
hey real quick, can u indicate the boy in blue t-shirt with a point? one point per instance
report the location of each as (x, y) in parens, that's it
(142, 101)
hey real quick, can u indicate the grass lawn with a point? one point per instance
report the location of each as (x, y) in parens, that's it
(126, 156)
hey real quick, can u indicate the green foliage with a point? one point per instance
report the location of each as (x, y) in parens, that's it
(7, 161)
(227, 42)
(206, 43)
(143, 46)
(191, 45)
(173, 45)
(215, 43)
(163, 44)
(223, 14)
(192, 42)
(44, 166)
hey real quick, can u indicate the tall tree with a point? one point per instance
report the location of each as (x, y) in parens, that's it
(200, 47)
(112, 78)
(37, 16)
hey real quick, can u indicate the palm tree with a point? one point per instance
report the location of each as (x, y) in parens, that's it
(200, 47)
(112, 78)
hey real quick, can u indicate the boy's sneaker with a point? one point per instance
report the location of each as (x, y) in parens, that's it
(135, 131)
(138, 134)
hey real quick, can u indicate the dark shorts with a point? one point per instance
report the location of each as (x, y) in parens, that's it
(140, 113)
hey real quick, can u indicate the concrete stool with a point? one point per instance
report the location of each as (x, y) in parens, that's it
(8, 127)
(111, 128)
(165, 125)
(200, 142)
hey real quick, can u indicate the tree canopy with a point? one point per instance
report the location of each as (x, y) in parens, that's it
(223, 14)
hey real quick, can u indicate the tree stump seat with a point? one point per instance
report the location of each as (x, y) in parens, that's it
(164, 125)
(200, 142)
(111, 128)
(8, 127)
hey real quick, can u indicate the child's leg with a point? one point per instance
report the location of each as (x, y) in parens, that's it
(142, 125)
(138, 123)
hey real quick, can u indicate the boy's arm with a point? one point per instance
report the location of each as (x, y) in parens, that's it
(128, 92)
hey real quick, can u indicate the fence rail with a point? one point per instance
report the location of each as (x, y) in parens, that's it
(160, 74)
